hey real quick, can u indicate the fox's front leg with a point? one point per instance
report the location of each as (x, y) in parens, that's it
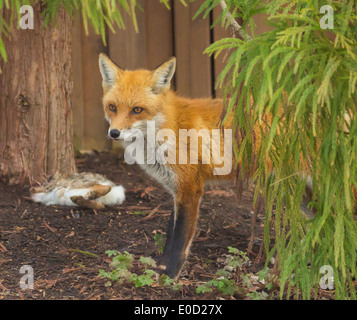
(181, 229)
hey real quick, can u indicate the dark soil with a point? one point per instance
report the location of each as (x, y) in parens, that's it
(66, 246)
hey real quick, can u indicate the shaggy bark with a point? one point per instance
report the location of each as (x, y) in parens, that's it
(36, 133)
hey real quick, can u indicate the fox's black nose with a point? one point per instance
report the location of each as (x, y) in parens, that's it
(114, 133)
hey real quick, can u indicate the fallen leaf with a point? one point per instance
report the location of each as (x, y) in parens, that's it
(48, 227)
(147, 191)
(220, 193)
(71, 234)
(2, 248)
(70, 270)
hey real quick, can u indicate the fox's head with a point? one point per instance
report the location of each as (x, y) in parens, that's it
(131, 98)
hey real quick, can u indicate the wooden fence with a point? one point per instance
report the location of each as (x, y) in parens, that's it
(162, 33)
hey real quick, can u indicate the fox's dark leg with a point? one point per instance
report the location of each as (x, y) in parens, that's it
(182, 228)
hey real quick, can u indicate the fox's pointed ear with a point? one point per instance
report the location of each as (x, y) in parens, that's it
(163, 75)
(109, 70)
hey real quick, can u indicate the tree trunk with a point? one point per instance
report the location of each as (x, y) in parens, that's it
(36, 133)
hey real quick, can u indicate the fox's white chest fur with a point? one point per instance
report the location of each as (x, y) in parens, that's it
(150, 160)
(162, 173)
(156, 169)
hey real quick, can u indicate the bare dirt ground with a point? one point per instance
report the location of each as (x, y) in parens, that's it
(66, 246)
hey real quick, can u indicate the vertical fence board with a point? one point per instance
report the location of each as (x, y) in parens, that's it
(219, 32)
(127, 47)
(192, 37)
(95, 127)
(158, 33)
(148, 48)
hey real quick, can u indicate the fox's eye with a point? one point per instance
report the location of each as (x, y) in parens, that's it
(112, 108)
(137, 110)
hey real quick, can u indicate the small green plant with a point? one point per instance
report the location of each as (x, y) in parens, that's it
(224, 282)
(166, 281)
(267, 278)
(233, 278)
(159, 242)
(255, 295)
(122, 271)
(148, 276)
(120, 265)
(146, 279)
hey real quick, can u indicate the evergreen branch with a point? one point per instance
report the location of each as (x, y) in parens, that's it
(235, 25)
(296, 85)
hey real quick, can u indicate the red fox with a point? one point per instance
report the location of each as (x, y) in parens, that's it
(136, 101)
(132, 100)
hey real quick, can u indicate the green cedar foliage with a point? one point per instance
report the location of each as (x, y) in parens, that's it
(304, 78)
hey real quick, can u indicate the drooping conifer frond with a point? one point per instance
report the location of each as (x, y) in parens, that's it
(304, 78)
